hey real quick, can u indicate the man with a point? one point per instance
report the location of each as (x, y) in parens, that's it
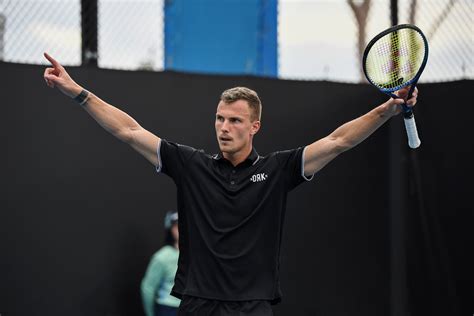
(231, 205)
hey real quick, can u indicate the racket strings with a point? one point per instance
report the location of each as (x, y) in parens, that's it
(395, 59)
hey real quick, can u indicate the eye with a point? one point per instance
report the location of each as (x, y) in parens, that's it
(219, 118)
(235, 120)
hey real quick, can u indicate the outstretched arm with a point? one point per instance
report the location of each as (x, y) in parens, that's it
(113, 120)
(350, 134)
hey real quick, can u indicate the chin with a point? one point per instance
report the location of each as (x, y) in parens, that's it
(226, 149)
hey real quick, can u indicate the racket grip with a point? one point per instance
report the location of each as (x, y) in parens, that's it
(412, 133)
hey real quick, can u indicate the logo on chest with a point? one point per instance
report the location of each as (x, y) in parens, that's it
(259, 177)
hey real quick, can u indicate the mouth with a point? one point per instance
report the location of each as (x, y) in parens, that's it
(225, 138)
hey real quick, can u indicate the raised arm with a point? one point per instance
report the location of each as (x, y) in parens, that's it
(350, 134)
(113, 120)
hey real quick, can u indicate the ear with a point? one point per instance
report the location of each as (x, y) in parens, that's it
(255, 127)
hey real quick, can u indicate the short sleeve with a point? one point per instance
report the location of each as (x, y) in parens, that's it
(292, 164)
(172, 158)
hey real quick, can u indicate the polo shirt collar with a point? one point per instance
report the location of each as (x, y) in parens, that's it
(252, 158)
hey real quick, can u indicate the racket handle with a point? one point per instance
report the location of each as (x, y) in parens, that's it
(412, 133)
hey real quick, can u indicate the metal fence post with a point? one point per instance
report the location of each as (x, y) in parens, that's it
(89, 31)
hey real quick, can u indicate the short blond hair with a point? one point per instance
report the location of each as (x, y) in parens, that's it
(243, 93)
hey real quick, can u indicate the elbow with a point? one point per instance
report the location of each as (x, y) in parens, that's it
(144, 286)
(342, 144)
(124, 135)
(129, 134)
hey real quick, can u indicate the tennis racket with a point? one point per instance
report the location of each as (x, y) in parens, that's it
(393, 59)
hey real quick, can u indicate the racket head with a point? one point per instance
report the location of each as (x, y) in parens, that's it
(395, 58)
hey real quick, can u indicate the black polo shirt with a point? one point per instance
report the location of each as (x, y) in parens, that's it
(230, 220)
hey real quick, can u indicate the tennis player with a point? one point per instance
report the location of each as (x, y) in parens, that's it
(231, 205)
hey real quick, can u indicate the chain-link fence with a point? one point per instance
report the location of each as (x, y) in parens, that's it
(318, 39)
(449, 28)
(32, 27)
(325, 39)
(321, 39)
(130, 33)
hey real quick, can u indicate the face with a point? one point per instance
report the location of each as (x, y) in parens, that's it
(175, 231)
(234, 128)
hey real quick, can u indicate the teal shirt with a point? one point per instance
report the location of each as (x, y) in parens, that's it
(159, 279)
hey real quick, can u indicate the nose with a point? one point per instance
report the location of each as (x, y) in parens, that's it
(224, 126)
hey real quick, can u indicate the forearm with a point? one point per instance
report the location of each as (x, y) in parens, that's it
(354, 132)
(150, 283)
(112, 119)
(322, 151)
(148, 300)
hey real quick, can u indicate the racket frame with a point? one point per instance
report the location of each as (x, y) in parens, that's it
(409, 118)
(407, 111)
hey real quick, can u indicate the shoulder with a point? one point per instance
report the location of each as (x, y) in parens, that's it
(169, 145)
(165, 144)
(164, 253)
(283, 156)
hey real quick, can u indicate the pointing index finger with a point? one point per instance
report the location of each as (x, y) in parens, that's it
(52, 60)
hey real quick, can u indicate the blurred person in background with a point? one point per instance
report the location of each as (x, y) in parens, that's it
(159, 278)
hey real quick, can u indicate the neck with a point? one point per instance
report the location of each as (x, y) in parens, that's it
(238, 157)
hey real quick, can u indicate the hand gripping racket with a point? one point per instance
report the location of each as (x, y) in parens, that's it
(394, 59)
